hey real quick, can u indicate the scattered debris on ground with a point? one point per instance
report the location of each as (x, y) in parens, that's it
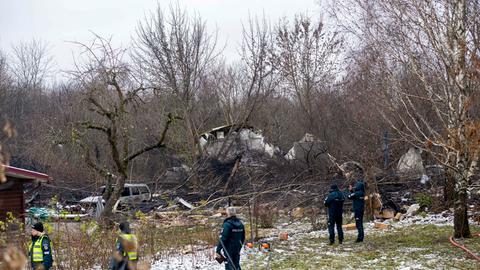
(394, 246)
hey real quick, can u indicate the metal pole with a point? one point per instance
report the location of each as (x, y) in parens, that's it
(385, 150)
(251, 232)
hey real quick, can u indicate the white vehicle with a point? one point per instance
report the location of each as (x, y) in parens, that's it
(132, 193)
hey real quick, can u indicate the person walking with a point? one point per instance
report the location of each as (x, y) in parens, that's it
(231, 240)
(125, 256)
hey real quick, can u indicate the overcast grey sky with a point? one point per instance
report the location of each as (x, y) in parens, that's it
(59, 21)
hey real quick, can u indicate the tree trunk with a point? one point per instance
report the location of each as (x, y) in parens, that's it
(117, 192)
(460, 221)
(108, 189)
(459, 40)
(449, 189)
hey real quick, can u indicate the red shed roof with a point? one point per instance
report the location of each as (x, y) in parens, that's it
(26, 174)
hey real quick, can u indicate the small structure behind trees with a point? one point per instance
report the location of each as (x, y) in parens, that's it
(12, 199)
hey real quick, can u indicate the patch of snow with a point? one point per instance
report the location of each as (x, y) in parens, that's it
(198, 260)
(436, 219)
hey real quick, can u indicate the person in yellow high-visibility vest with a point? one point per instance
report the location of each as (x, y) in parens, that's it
(126, 246)
(40, 250)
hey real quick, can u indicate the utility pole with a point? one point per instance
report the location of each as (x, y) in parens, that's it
(386, 154)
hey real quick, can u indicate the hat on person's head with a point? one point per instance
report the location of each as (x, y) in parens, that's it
(38, 226)
(334, 187)
(124, 227)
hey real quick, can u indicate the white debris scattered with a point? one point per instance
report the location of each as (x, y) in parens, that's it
(413, 209)
(424, 179)
(203, 259)
(185, 203)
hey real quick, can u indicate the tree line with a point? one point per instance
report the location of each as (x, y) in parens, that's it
(409, 68)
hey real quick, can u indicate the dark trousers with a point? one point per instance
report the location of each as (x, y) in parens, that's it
(332, 221)
(39, 266)
(359, 224)
(235, 260)
(121, 265)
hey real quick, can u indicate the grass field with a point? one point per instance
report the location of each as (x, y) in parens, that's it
(410, 247)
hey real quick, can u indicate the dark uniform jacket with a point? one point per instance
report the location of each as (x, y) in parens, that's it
(358, 196)
(232, 236)
(334, 202)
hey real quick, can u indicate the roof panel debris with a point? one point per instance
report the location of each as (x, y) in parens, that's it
(230, 141)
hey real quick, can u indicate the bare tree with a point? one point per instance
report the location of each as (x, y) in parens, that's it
(244, 87)
(176, 53)
(3, 69)
(111, 94)
(5, 82)
(306, 56)
(422, 50)
(31, 63)
(256, 70)
(29, 66)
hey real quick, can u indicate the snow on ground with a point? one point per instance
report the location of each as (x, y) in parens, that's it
(203, 259)
(198, 260)
(442, 219)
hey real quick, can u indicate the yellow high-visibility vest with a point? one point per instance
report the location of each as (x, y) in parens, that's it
(37, 252)
(132, 255)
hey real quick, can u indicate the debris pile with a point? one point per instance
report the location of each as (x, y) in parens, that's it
(312, 153)
(410, 164)
(227, 143)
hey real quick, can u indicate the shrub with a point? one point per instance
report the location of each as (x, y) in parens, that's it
(87, 245)
(316, 218)
(265, 215)
(424, 200)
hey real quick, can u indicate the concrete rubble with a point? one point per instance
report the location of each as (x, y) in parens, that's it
(413, 209)
(411, 164)
(230, 141)
(311, 152)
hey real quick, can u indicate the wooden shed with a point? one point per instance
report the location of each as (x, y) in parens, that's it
(12, 198)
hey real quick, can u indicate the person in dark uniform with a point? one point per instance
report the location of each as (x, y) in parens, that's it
(334, 201)
(231, 240)
(357, 195)
(40, 250)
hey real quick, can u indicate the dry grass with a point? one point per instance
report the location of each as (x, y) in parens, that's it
(13, 259)
(86, 245)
